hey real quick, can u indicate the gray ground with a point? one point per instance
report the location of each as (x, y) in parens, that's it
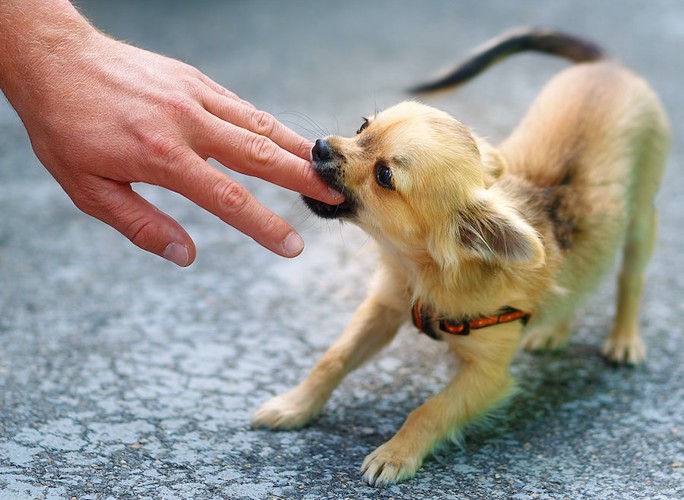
(124, 376)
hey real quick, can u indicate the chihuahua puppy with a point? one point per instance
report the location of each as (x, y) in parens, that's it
(488, 248)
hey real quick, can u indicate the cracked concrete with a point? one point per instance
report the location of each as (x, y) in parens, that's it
(122, 376)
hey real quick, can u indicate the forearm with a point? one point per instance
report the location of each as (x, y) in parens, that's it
(36, 37)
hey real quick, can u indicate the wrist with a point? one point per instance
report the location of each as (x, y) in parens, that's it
(37, 39)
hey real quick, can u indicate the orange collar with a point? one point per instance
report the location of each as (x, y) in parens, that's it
(423, 319)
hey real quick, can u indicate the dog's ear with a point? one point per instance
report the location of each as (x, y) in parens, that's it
(495, 232)
(493, 161)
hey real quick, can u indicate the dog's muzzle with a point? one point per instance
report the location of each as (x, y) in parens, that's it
(327, 163)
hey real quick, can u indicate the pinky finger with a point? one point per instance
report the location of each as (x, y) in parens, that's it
(212, 190)
(138, 220)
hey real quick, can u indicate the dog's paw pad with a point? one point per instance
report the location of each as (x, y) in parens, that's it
(282, 413)
(624, 352)
(387, 466)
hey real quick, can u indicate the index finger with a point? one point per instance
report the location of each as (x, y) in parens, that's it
(254, 143)
(243, 114)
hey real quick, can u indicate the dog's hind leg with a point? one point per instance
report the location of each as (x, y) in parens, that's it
(624, 344)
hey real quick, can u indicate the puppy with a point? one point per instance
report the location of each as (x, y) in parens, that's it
(486, 248)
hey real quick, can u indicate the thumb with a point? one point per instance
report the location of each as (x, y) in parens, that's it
(141, 222)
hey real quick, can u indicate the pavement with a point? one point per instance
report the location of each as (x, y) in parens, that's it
(122, 376)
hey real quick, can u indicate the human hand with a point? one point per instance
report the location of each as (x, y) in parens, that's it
(102, 114)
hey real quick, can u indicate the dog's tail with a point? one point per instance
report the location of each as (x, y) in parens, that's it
(512, 42)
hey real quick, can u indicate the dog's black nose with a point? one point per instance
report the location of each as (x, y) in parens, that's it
(321, 151)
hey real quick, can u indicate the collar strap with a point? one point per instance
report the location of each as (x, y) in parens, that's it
(424, 318)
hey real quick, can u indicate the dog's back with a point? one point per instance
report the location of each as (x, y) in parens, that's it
(589, 155)
(594, 141)
(586, 129)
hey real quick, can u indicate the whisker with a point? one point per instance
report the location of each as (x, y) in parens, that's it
(303, 122)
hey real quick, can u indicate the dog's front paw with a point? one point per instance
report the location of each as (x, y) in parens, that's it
(540, 343)
(290, 410)
(539, 340)
(624, 351)
(390, 464)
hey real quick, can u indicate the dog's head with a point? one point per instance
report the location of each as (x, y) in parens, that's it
(416, 179)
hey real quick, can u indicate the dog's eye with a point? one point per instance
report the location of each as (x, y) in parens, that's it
(383, 175)
(363, 126)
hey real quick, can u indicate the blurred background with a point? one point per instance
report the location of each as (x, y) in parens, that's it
(124, 376)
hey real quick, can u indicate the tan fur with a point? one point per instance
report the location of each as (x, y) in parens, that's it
(470, 228)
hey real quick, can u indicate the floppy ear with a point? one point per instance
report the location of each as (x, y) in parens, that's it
(499, 233)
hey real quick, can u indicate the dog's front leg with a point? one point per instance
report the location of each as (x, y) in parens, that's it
(373, 326)
(482, 382)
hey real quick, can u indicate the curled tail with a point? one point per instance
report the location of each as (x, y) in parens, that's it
(512, 42)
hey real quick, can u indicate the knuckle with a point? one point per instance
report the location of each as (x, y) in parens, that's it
(269, 222)
(192, 71)
(190, 83)
(272, 224)
(231, 196)
(262, 123)
(166, 149)
(261, 150)
(181, 106)
(136, 225)
(140, 230)
(87, 199)
(304, 148)
(176, 103)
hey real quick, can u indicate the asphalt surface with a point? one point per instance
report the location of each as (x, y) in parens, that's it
(122, 376)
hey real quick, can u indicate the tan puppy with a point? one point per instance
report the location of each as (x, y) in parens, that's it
(475, 239)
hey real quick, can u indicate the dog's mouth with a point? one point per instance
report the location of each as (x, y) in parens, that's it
(344, 210)
(326, 163)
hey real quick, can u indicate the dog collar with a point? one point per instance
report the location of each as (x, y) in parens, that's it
(424, 318)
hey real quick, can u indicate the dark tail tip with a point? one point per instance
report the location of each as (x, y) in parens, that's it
(543, 40)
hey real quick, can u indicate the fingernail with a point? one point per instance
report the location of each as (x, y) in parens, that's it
(177, 253)
(293, 244)
(335, 193)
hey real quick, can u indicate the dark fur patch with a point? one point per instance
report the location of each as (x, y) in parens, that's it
(549, 205)
(562, 220)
